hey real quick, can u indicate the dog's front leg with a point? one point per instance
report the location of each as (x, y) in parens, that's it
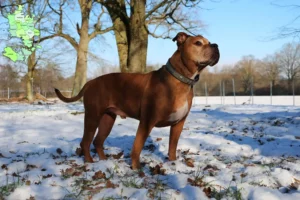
(175, 132)
(143, 132)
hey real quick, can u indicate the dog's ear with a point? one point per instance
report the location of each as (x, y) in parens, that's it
(180, 38)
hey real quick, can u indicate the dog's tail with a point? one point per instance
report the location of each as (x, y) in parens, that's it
(72, 99)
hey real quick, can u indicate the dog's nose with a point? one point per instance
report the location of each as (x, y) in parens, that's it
(214, 45)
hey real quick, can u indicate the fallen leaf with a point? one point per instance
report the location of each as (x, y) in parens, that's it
(189, 162)
(68, 172)
(207, 192)
(197, 182)
(29, 167)
(94, 190)
(78, 152)
(157, 170)
(27, 182)
(210, 167)
(31, 198)
(59, 151)
(109, 184)
(4, 166)
(77, 173)
(295, 184)
(185, 152)
(119, 155)
(141, 174)
(22, 142)
(47, 176)
(16, 175)
(99, 175)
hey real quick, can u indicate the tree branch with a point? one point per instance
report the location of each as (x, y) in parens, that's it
(97, 32)
(155, 8)
(13, 4)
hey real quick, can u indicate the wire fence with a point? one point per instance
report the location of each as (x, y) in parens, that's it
(224, 97)
(9, 93)
(230, 97)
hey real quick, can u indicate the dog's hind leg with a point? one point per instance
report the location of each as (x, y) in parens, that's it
(91, 122)
(106, 123)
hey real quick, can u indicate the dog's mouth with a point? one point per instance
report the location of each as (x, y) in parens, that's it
(202, 65)
(215, 59)
(211, 62)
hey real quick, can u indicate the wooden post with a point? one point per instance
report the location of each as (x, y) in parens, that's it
(293, 93)
(233, 90)
(205, 91)
(221, 92)
(271, 91)
(224, 92)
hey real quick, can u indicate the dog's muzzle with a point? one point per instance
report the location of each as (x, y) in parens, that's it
(216, 55)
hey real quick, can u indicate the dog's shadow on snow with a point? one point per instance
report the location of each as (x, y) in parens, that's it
(116, 144)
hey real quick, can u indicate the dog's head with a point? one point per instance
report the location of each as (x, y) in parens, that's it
(197, 50)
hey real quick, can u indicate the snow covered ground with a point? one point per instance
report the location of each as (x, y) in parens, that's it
(229, 152)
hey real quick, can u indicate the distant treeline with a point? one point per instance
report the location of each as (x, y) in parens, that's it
(280, 70)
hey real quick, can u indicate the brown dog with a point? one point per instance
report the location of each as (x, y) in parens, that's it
(158, 99)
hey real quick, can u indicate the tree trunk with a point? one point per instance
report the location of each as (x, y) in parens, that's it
(131, 34)
(31, 62)
(138, 37)
(122, 43)
(81, 63)
(117, 12)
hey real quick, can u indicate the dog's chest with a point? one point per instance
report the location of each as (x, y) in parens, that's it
(179, 112)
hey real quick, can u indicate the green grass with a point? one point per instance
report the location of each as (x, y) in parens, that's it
(8, 188)
(232, 192)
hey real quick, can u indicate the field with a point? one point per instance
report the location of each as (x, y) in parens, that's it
(229, 152)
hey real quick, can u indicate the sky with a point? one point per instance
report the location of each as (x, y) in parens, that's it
(239, 27)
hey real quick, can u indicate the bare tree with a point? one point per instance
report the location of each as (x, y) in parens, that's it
(245, 71)
(289, 61)
(31, 7)
(291, 29)
(85, 32)
(269, 68)
(48, 76)
(8, 76)
(134, 20)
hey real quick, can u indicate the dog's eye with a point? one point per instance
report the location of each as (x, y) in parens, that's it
(198, 43)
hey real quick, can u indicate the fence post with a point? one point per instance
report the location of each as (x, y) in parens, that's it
(293, 93)
(224, 92)
(205, 92)
(8, 93)
(271, 91)
(233, 90)
(252, 90)
(221, 93)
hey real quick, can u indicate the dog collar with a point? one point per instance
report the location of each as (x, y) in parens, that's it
(179, 76)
